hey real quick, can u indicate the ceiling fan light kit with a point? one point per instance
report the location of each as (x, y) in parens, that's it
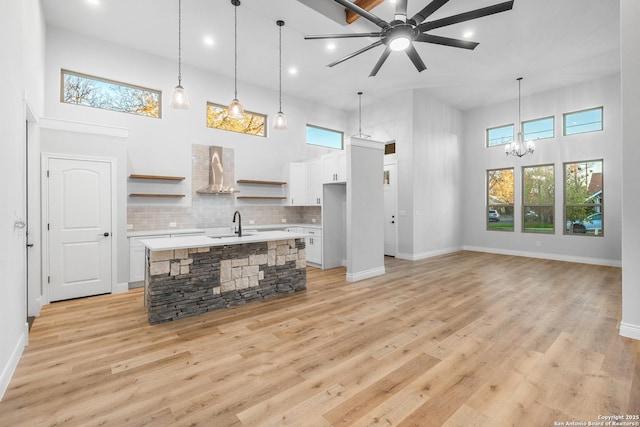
(401, 33)
(179, 96)
(235, 109)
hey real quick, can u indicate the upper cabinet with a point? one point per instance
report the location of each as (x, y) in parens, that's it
(334, 167)
(314, 182)
(297, 184)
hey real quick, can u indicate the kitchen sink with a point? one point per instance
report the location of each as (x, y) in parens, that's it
(221, 236)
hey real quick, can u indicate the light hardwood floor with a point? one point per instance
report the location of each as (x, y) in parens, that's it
(458, 340)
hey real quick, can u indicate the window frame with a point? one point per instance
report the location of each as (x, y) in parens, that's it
(64, 72)
(553, 128)
(564, 121)
(308, 125)
(538, 206)
(489, 205)
(486, 135)
(246, 112)
(583, 205)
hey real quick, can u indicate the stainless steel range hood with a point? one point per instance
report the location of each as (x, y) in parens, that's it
(217, 185)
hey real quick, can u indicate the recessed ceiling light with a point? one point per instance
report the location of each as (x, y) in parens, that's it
(94, 2)
(208, 41)
(293, 71)
(467, 34)
(331, 46)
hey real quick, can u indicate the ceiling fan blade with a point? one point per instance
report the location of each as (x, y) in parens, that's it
(428, 10)
(446, 41)
(341, 36)
(415, 58)
(383, 58)
(364, 13)
(357, 52)
(467, 16)
(401, 10)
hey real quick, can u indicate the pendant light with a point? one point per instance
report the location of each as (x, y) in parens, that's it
(235, 109)
(360, 134)
(179, 96)
(280, 120)
(519, 147)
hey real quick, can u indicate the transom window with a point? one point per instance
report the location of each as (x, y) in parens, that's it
(324, 137)
(583, 121)
(584, 198)
(500, 188)
(499, 135)
(251, 123)
(538, 200)
(538, 129)
(97, 92)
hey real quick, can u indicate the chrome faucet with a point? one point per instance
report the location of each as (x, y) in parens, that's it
(239, 231)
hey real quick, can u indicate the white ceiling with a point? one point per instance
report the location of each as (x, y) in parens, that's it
(551, 43)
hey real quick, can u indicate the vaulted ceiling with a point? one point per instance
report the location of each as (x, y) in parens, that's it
(551, 43)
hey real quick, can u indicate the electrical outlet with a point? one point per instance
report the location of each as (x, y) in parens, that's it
(172, 224)
(313, 220)
(538, 243)
(252, 221)
(284, 220)
(129, 226)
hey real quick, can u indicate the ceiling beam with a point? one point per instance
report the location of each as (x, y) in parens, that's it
(365, 4)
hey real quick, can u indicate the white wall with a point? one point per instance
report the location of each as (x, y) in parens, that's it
(604, 145)
(630, 70)
(163, 146)
(22, 47)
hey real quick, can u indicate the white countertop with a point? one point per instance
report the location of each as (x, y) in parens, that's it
(217, 230)
(187, 242)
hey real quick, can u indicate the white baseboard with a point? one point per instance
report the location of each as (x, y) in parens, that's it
(430, 254)
(555, 257)
(12, 363)
(120, 288)
(361, 275)
(630, 331)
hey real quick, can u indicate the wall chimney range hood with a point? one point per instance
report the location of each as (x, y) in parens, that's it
(217, 184)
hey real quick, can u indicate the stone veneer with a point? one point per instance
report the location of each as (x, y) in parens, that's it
(188, 282)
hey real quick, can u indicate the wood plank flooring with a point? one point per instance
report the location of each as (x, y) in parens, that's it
(467, 339)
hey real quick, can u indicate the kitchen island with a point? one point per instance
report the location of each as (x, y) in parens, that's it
(191, 275)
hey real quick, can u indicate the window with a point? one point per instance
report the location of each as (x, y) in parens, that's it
(251, 123)
(325, 137)
(583, 198)
(538, 129)
(499, 136)
(538, 199)
(90, 91)
(583, 121)
(500, 199)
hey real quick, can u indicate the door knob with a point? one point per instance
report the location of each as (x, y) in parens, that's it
(393, 222)
(106, 234)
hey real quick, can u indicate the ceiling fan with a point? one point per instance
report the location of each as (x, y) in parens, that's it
(400, 33)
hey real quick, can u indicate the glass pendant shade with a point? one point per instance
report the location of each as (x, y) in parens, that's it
(519, 147)
(180, 98)
(235, 109)
(280, 121)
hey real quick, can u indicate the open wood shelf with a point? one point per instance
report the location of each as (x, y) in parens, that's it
(156, 195)
(162, 177)
(256, 181)
(262, 197)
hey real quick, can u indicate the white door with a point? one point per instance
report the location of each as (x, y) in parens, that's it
(390, 209)
(79, 221)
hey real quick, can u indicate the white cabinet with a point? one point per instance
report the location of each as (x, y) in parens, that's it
(334, 167)
(137, 256)
(314, 182)
(297, 184)
(314, 245)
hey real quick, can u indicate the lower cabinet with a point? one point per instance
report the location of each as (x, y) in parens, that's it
(314, 245)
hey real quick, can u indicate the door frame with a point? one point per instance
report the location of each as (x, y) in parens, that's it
(392, 159)
(46, 268)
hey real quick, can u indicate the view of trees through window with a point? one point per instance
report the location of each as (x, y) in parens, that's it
(538, 199)
(250, 123)
(90, 91)
(500, 189)
(583, 198)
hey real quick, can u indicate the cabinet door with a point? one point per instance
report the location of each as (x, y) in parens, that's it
(341, 166)
(297, 184)
(314, 182)
(314, 249)
(329, 168)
